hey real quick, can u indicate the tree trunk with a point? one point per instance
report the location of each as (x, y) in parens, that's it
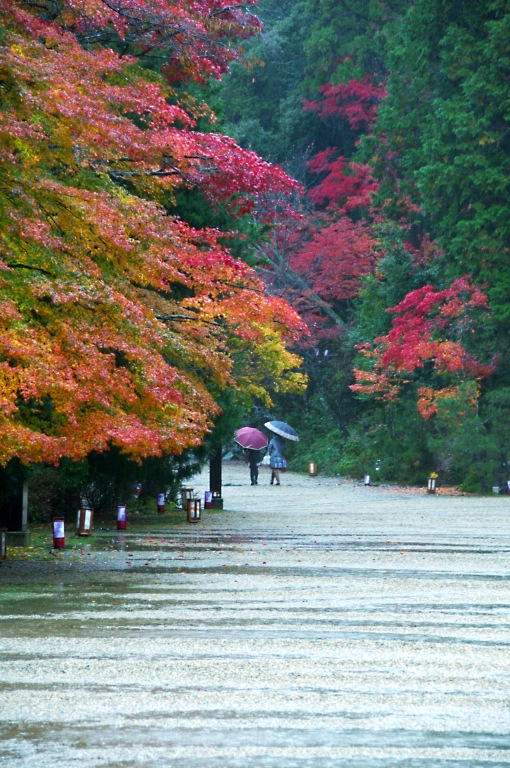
(12, 506)
(215, 472)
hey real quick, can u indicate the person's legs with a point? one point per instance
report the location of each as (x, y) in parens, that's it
(276, 473)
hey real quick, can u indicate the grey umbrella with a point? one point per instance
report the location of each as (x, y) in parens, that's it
(283, 429)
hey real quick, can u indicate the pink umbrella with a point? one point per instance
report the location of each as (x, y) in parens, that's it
(250, 437)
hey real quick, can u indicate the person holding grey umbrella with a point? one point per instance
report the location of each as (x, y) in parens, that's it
(275, 450)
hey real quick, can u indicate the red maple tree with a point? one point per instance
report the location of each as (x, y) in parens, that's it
(431, 328)
(355, 100)
(319, 260)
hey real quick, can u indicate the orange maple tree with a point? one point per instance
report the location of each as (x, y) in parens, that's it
(119, 323)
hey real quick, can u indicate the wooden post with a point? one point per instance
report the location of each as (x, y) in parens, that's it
(24, 506)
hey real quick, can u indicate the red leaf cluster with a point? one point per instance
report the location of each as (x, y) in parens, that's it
(356, 101)
(430, 327)
(345, 186)
(335, 257)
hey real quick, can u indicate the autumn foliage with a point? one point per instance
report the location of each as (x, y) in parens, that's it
(430, 328)
(119, 322)
(355, 100)
(333, 258)
(320, 261)
(341, 184)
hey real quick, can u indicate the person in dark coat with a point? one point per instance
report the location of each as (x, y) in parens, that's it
(253, 461)
(275, 449)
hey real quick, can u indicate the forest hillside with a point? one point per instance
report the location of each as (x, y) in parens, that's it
(395, 118)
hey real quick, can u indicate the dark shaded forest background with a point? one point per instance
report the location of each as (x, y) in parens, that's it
(394, 116)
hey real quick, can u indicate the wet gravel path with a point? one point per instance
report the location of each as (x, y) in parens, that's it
(320, 624)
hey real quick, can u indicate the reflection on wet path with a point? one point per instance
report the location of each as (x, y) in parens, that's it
(278, 636)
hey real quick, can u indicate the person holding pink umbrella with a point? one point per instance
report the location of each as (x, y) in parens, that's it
(252, 440)
(253, 461)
